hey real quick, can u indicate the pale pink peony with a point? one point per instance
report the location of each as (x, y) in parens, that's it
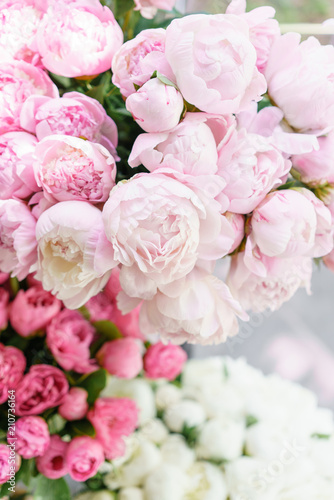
(32, 310)
(149, 8)
(113, 418)
(7, 463)
(78, 39)
(84, 456)
(310, 106)
(156, 107)
(18, 246)
(283, 278)
(18, 81)
(73, 114)
(43, 387)
(164, 361)
(137, 60)
(12, 366)
(237, 221)
(74, 406)
(31, 438)
(16, 165)
(74, 254)
(121, 357)
(69, 168)
(52, 464)
(214, 62)
(68, 337)
(4, 302)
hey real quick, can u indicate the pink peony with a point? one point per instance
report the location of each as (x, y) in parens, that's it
(74, 114)
(12, 366)
(156, 107)
(78, 39)
(112, 419)
(8, 463)
(32, 310)
(18, 253)
(4, 302)
(138, 59)
(3, 278)
(52, 463)
(69, 168)
(16, 165)
(75, 404)
(100, 308)
(237, 222)
(214, 62)
(121, 357)
(43, 387)
(164, 361)
(149, 8)
(84, 456)
(32, 437)
(310, 106)
(74, 254)
(19, 80)
(68, 337)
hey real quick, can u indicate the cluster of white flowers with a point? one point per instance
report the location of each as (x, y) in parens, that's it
(225, 431)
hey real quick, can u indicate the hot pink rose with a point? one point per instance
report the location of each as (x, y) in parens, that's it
(74, 254)
(32, 310)
(83, 458)
(307, 107)
(112, 419)
(8, 460)
(69, 168)
(52, 463)
(237, 221)
(164, 361)
(42, 388)
(16, 165)
(19, 80)
(149, 8)
(12, 366)
(68, 337)
(73, 114)
(214, 62)
(18, 246)
(4, 301)
(75, 404)
(156, 107)
(32, 437)
(138, 59)
(121, 357)
(78, 39)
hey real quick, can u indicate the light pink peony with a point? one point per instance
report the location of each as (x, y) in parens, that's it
(78, 39)
(68, 337)
(32, 310)
(12, 366)
(75, 404)
(113, 418)
(237, 221)
(32, 437)
(138, 59)
(156, 107)
(19, 80)
(16, 165)
(84, 456)
(4, 302)
(43, 387)
(310, 106)
(18, 246)
(52, 463)
(73, 114)
(149, 8)
(74, 254)
(214, 62)
(283, 278)
(7, 463)
(69, 168)
(164, 361)
(121, 357)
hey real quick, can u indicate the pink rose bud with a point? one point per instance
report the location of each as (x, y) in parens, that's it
(112, 419)
(53, 464)
(5, 463)
(75, 404)
(68, 337)
(31, 438)
(32, 310)
(79, 38)
(12, 366)
(149, 8)
(83, 458)
(43, 387)
(237, 221)
(121, 357)
(164, 361)
(156, 107)
(4, 301)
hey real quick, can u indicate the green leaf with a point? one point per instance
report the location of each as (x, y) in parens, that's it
(14, 286)
(83, 428)
(100, 91)
(26, 472)
(61, 81)
(251, 420)
(84, 312)
(164, 79)
(321, 436)
(52, 489)
(93, 383)
(123, 6)
(108, 329)
(95, 483)
(56, 423)
(190, 434)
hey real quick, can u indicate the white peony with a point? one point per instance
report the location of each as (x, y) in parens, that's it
(207, 482)
(131, 494)
(185, 413)
(221, 439)
(175, 451)
(167, 482)
(167, 395)
(154, 430)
